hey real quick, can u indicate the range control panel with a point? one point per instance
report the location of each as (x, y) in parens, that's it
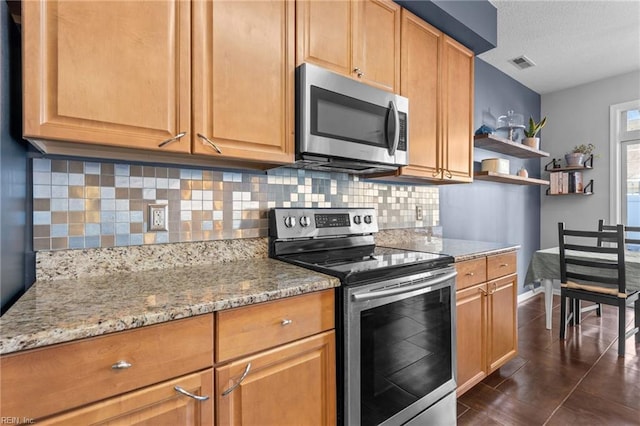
(286, 223)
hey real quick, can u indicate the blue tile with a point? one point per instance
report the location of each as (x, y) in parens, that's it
(122, 170)
(107, 216)
(207, 225)
(122, 228)
(136, 217)
(185, 173)
(162, 237)
(76, 179)
(59, 179)
(76, 204)
(107, 228)
(41, 165)
(122, 205)
(107, 205)
(122, 217)
(136, 239)
(59, 191)
(92, 229)
(107, 192)
(76, 242)
(41, 218)
(41, 191)
(92, 242)
(59, 230)
(92, 168)
(122, 181)
(59, 204)
(41, 178)
(122, 240)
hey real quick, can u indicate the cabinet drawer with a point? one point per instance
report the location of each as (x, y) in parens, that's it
(471, 272)
(500, 265)
(245, 330)
(47, 380)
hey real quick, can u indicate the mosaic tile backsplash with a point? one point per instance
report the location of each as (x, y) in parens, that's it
(80, 204)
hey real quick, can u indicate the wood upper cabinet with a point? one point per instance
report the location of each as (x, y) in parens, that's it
(486, 313)
(457, 111)
(96, 72)
(437, 77)
(156, 405)
(243, 79)
(359, 39)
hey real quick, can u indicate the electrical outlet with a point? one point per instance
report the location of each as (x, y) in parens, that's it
(158, 217)
(418, 212)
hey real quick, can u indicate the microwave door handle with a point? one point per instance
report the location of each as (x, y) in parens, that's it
(396, 128)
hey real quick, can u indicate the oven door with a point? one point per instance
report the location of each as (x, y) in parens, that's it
(400, 352)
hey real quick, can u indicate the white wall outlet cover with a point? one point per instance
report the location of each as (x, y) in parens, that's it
(158, 217)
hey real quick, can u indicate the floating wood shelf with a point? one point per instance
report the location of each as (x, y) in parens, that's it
(512, 179)
(505, 146)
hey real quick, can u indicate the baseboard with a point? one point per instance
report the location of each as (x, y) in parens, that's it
(529, 294)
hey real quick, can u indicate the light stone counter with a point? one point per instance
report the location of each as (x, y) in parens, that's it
(419, 240)
(65, 309)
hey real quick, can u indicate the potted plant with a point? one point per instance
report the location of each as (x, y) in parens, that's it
(577, 155)
(530, 133)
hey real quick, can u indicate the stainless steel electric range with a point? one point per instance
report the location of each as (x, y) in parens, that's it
(395, 315)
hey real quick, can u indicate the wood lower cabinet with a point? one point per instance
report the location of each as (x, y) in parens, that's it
(276, 362)
(156, 405)
(486, 312)
(357, 38)
(291, 384)
(437, 77)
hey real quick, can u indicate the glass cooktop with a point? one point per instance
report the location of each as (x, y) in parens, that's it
(366, 263)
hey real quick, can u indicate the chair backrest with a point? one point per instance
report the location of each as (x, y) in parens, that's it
(584, 259)
(629, 239)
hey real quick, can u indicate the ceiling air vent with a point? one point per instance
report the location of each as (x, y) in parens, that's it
(522, 62)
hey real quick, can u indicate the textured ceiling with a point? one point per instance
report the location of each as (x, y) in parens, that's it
(572, 42)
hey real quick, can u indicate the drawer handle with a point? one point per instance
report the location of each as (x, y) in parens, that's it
(209, 142)
(232, 388)
(470, 274)
(504, 265)
(173, 139)
(286, 322)
(189, 394)
(121, 365)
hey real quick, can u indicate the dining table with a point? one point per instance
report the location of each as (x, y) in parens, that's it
(545, 268)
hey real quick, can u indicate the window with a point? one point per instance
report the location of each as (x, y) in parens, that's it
(625, 165)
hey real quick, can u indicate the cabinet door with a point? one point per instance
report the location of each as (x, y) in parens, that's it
(377, 43)
(419, 82)
(156, 405)
(502, 321)
(243, 79)
(457, 110)
(104, 72)
(471, 338)
(291, 384)
(324, 31)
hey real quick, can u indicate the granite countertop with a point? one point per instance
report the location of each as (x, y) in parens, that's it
(62, 310)
(461, 250)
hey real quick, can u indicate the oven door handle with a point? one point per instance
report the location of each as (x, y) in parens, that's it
(376, 294)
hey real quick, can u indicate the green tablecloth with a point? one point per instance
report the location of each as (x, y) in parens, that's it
(545, 264)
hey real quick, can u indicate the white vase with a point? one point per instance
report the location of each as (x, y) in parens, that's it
(574, 159)
(532, 142)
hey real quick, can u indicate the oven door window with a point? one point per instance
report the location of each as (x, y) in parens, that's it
(342, 117)
(405, 352)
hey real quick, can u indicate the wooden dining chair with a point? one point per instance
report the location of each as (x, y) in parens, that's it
(596, 273)
(634, 230)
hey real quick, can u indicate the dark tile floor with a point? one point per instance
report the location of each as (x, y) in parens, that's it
(579, 381)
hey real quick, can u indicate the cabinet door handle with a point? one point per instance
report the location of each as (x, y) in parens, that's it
(244, 375)
(358, 72)
(121, 365)
(173, 139)
(447, 172)
(286, 322)
(189, 394)
(210, 142)
(436, 172)
(470, 274)
(483, 291)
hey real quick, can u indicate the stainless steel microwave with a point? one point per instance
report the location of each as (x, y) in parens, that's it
(345, 125)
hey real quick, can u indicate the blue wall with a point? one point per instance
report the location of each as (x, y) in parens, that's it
(15, 224)
(489, 211)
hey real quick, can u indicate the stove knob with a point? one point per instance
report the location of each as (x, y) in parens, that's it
(367, 219)
(289, 221)
(357, 220)
(305, 221)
